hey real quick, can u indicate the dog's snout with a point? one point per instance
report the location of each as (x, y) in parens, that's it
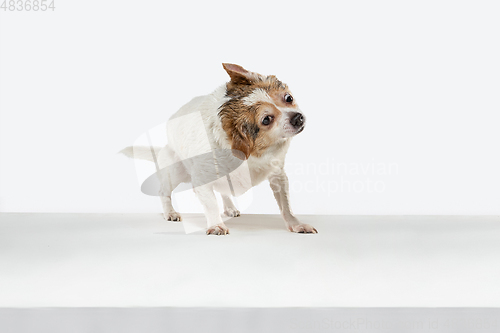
(297, 120)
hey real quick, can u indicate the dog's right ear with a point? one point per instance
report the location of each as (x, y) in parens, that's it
(238, 74)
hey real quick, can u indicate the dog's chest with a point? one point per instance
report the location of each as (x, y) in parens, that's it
(250, 173)
(261, 168)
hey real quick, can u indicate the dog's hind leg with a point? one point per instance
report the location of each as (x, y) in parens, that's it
(229, 207)
(171, 173)
(169, 212)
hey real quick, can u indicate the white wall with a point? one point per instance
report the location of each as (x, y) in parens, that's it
(406, 91)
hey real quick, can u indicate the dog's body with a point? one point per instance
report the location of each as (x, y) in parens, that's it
(230, 141)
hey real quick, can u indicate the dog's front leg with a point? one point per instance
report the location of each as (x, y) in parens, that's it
(215, 225)
(279, 185)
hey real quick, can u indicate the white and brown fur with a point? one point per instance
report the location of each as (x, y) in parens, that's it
(231, 118)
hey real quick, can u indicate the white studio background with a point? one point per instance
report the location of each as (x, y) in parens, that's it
(402, 99)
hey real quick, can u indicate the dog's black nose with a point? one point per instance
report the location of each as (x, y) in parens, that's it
(297, 120)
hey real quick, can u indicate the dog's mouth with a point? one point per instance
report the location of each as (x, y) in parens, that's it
(289, 133)
(300, 129)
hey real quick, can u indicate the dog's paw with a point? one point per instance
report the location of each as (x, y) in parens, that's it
(218, 229)
(172, 216)
(232, 212)
(303, 229)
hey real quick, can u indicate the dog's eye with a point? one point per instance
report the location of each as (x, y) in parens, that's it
(288, 98)
(267, 120)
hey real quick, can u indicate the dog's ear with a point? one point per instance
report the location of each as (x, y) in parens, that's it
(238, 74)
(242, 145)
(243, 139)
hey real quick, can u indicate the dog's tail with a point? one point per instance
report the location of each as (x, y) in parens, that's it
(142, 152)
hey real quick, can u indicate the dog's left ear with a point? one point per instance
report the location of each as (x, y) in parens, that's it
(238, 74)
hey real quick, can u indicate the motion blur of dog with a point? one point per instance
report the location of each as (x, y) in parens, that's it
(229, 141)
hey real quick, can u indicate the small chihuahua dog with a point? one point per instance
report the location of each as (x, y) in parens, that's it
(229, 141)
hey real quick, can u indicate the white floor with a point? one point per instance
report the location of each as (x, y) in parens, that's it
(123, 260)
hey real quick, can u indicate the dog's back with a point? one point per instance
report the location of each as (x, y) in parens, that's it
(195, 129)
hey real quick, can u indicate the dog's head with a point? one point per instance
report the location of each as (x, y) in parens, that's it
(260, 112)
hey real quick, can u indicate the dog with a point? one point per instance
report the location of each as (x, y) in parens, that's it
(229, 141)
